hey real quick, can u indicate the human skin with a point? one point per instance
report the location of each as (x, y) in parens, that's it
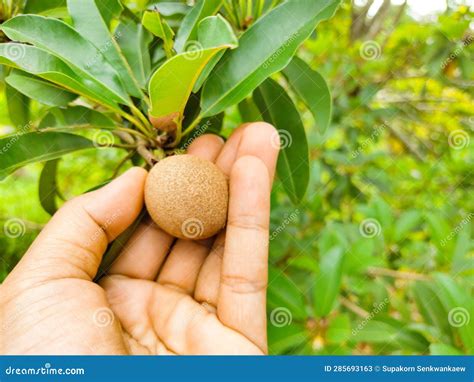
(161, 296)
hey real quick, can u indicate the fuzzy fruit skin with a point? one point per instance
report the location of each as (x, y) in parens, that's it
(187, 197)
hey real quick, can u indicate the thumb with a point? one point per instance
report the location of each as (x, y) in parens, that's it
(73, 242)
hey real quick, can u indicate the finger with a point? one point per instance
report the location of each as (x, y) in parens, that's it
(184, 326)
(242, 294)
(261, 140)
(182, 266)
(207, 286)
(255, 139)
(73, 242)
(144, 253)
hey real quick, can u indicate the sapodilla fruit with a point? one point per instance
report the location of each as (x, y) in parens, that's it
(187, 197)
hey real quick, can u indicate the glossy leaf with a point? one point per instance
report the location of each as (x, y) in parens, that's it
(284, 338)
(153, 21)
(62, 40)
(75, 116)
(88, 21)
(45, 65)
(278, 109)
(328, 281)
(39, 90)
(48, 186)
(214, 31)
(189, 26)
(171, 85)
(265, 48)
(18, 107)
(312, 88)
(134, 43)
(44, 6)
(21, 149)
(249, 111)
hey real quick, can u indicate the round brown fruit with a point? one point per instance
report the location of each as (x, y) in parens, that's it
(187, 197)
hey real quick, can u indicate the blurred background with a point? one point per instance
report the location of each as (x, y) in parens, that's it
(378, 259)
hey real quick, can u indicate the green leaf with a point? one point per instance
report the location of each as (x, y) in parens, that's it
(117, 246)
(443, 349)
(171, 85)
(278, 109)
(283, 293)
(48, 186)
(265, 48)
(88, 21)
(109, 9)
(43, 64)
(75, 116)
(18, 107)
(60, 39)
(312, 88)
(18, 150)
(459, 305)
(430, 306)
(153, 21)
(134, 43)
(189, 26)
(328, 281)
(285, 338)
(390, 332)
(39, 90)
(339, 329)
(249, 111)
(44, 6)
(405, 224)
(214, 31)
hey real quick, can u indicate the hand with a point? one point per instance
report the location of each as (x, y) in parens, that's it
(161, 296)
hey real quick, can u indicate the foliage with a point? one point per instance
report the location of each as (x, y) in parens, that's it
(371, 242)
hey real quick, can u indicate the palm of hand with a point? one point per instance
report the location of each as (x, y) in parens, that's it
(161, 296)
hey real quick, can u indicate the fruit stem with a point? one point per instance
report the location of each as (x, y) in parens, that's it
(189, 128)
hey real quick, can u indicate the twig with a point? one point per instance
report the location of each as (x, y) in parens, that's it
(353, 307)
(373, 271)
